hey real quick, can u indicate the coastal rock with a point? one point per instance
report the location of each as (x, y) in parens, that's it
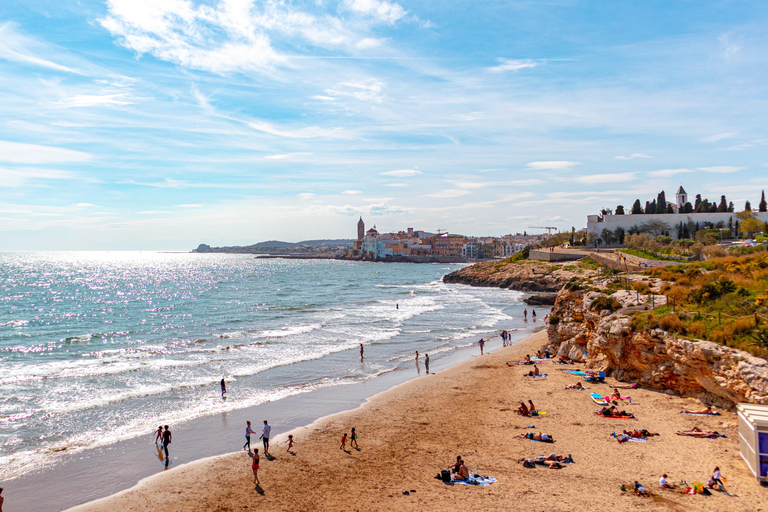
(541, 299)
(526, 276)
(716, 374)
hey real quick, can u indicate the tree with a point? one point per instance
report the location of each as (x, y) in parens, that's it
(670, 209)
(697, 203)
(661, 203)
(763, 205)
(573, 233)
(723, 206)
(607, 236)
(620, 210)
(637, 208)
(747, 207)
(688, 208)
(647, 207)
(654, 227)
(618, 235)
(750, 226)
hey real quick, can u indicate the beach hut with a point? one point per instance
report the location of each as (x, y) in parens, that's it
(753, 438)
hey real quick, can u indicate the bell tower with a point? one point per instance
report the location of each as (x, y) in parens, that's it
(360, 229)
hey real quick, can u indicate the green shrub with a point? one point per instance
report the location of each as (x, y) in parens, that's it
(603, 302)
(554, 319)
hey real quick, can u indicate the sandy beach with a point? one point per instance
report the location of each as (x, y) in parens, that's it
(408, 433)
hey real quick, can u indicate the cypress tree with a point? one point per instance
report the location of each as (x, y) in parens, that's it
(730, 207)
(647, 207)
(688, 208)
(637, 208)
(697, 203)
(763, 205)
(747, 207)
(723, 206)
(670, 209)
(661, 203)
(620, 210)
(680, 231)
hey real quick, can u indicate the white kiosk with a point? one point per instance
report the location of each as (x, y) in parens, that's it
(753, 438)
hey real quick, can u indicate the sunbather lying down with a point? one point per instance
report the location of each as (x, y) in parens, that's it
(697, 432)
(540, 436)
(552, 461)
(575, 386)
(642, 433)
(708, 410)
(627, 386)
(613, 412)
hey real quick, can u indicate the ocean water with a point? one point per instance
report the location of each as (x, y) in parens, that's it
(100, 347)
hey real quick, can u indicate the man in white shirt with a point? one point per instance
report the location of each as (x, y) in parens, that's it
(265, 436)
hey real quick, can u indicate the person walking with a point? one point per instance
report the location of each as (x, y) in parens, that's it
(167, 438)
(255, 466)
(223, 387)
(353, 439)
(265, 437)
(248, 432)
(159, 435)
(482, 344)
(426, 362)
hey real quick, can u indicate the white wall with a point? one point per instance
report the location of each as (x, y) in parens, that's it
(611, 222)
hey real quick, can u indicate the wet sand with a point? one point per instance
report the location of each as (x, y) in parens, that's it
(408, 433)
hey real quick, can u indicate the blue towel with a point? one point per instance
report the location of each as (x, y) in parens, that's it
(485, 482)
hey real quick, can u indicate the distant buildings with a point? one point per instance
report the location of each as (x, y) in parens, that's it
(416, 245)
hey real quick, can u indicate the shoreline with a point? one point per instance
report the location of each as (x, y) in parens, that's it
(99, 472)
(412, 430)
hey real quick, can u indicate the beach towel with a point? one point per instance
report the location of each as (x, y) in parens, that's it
(599, 399)
(483, 481)
(700, 414)
(539, 375)
(597, 413)
(574, 372)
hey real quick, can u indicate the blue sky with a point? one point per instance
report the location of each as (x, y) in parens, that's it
(161, 124)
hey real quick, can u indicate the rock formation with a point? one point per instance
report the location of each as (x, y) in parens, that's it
(714, 373)
(525, 276)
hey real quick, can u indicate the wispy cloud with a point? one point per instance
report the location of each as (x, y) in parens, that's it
(22, 153)
(551, 165)
(663, 173)
(17, 47)
(402, 173)
(619, 177)
(512, 65)
(380, 10)
(188, 205)
(721, 169)
(633, 156)
(84, 205)
(448, 193)
(96, 100)
(351, 192)
(719, 136)
(285, 156)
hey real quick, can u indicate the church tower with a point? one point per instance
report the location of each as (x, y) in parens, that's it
(360, 229)
(682, 198)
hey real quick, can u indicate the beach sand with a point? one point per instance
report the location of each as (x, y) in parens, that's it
(410, 432)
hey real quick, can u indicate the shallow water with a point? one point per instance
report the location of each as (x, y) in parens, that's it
(101, 347)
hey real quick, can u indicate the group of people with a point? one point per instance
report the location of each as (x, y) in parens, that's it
(525, 314)
(459, 472)
(613, 412)
(163, 439)
(714, 482)
(265, 433)
(524, 410)
(352, 439)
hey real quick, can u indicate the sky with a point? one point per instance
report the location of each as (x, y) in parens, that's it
(162, 124)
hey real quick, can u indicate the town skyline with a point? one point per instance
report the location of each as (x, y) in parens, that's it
(155, 125)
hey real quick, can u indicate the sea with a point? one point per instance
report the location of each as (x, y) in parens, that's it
(99, 347)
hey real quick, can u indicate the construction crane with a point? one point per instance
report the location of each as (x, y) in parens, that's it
(548, 228)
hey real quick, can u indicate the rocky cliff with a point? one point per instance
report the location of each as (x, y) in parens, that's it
(716, 374)
(527, 276)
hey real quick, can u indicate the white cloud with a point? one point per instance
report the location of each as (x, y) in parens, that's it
(633, 156)
(153, 212)
(367, 90)
(308, 132)
(351, 192)
(188, 205)
(16, 47)
(381, 10)
(719, 137)
(285, 156)
(721, 169)
(369, 42)
(663, 173)
(306, 195)
(552, 164)
(402, 173)
(15, 178)
(84, 205)
(620, 177)
(96, 100)
(512, 65)
(323, 98)
(396, 185)
(34, 154)
(448, 193)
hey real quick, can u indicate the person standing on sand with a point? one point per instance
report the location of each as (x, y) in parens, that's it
(248, 432)
(159, 434)
(265, 437)
(223, 387)
(426, 362)
(255, 466)
(353, 439)
(482, 344)
(167, 437)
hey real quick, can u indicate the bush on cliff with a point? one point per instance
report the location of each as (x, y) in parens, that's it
(554, 319)
(603, 302)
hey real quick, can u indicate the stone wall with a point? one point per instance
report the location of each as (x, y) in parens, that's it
(611, 222)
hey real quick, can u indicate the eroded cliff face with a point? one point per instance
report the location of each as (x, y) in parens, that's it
(525, 276)
(718, 375)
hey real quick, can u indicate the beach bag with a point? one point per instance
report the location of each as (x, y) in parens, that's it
(445, 475)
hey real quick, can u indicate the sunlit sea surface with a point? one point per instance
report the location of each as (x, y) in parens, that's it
(99, 347)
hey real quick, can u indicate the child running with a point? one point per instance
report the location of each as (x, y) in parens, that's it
(343, 442)
(353, 439)
(290, 443)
